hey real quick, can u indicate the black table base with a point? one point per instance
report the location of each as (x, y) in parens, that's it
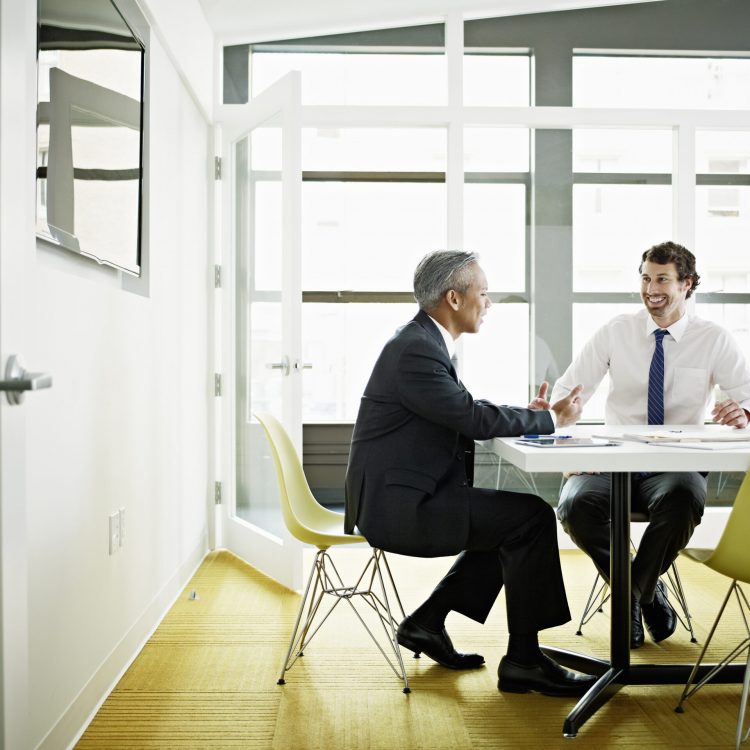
(618, 671)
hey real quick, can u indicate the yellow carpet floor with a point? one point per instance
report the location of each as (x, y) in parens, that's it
(207, 677)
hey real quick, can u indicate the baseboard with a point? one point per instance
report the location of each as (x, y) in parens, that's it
(71, 725)
(706, 534)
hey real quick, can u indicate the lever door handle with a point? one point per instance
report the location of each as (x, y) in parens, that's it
(18, 379)
(284, 365)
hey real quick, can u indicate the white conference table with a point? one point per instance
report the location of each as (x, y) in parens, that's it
(620, 461)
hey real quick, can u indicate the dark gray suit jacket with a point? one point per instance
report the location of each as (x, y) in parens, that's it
(411, 461)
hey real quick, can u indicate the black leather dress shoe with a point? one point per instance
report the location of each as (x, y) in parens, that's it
(660, 617)
(546, 677)
(437, 646)
(637, 635)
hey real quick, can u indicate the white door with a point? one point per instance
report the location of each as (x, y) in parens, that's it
(262, 300)
(17, 26)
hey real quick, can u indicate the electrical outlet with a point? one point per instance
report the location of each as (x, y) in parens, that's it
(114, 533)
(121, 514)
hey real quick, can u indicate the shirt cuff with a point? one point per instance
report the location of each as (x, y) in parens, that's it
(553, 416)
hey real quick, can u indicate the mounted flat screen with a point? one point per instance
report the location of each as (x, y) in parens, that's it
(89, 132)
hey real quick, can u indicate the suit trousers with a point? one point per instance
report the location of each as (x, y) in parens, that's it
(674, 502)
(512, 542)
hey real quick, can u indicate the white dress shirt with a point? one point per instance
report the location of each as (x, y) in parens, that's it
(698, 355)
(450, 344)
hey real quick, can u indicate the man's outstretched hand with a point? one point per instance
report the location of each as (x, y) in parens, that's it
(568, 409)
(540, 401)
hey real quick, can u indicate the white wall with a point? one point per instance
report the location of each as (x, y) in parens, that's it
(125, 425)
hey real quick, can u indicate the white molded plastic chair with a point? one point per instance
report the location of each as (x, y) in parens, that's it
(312, 523)
(732, 559)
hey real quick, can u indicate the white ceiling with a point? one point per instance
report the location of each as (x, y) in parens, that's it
(238, 21)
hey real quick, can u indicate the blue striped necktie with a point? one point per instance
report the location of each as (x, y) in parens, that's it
(656, 380)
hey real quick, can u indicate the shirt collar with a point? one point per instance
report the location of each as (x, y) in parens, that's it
(676, 330)
(450, 344)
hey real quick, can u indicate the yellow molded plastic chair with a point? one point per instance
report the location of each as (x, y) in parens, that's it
(599, 594)
(732, 559)
(312, 523)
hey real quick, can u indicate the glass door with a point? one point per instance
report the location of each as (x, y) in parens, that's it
(264, 304)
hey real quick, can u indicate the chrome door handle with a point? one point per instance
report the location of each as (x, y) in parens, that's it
(18, 379)
(283, 365)
(299, 365)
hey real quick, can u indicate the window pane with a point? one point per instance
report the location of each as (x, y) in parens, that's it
(374, 150)
(587, 319)
(342, 342)
(622, 150)
(368, 236)
(661, 82)
(496, 80)
(496, 150)
(735, 318)
(722, 152)
(722, 238)
(355, 78)
(494, 362)
(612, 226)
(495, 227)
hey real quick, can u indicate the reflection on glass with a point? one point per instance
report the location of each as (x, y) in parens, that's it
(612, 226)
(496, 150)
(259, 378)
(356, 78)
(587, 319)
(494, 362)
(495, 227)
(496, 80)
(89, 132)
(661, 82)
(722, 238)
(369, 236)
(643, 151)
(342, 342)
(374, 150)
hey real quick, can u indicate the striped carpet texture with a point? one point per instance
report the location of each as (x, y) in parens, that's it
(207, 677)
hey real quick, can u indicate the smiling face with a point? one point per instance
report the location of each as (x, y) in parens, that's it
(663, 293)
(470, 307)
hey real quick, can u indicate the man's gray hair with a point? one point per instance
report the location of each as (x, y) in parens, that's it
(440, 271)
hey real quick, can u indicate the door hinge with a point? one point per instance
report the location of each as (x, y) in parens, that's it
(217, 493)
(217, 384)
(217, 277)
(217, 167)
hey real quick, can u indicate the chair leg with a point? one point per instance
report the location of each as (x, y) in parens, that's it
(381, 606)
(292, 640)
(691, 689)
(674, 583)
(592, 606)
(324, 579)
(739, 737)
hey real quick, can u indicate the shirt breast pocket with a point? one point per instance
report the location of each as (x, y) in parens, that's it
(690, 384)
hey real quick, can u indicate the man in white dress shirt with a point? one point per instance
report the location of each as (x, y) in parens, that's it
(697, 356)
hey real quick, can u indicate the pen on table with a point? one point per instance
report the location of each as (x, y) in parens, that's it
(530, 437)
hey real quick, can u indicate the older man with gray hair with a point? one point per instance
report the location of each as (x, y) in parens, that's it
(409, 485)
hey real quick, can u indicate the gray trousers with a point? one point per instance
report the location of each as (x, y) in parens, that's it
(674, 502)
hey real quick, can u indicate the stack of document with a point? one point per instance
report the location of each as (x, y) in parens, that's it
(711, 439)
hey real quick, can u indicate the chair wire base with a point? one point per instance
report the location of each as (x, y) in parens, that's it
(370, 588)
(741, 733)
(599, 596)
